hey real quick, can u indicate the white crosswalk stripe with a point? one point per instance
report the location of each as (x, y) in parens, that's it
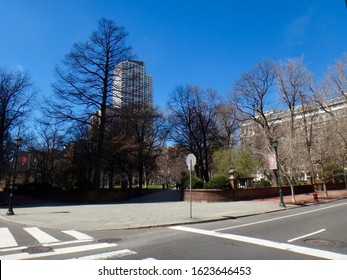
(40, 235)
(58, 251)
(63, 243)
(6, 238)
(78, 235)
(10, 250)
(104, 256)
(8, 242)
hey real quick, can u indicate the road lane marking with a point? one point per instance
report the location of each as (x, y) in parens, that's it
(306, 235)
(51, 244)
(280, 218)
(12, 249)
(104, 256)
(78, 235)
(40, 235)
(59, 251)
(266, 243)
(6, 238)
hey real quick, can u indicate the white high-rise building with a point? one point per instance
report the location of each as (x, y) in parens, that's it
(132, 85)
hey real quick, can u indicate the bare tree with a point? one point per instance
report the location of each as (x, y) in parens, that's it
(16, 94)
(252, 96)
(340, 152)
(149, 132)
(338, 77)
(309, 111)
(324, 147)
(293, 81)
(252, 93)
(136, 137)
(84, 84)
(228, 125)
(80, 156)
(46, 151)
(193, 124)
(305, 138)
(331, 97)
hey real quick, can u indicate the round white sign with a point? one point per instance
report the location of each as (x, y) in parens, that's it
(191, 161)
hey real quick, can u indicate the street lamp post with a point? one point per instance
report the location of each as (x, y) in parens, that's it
(17, 142)
(274, 144)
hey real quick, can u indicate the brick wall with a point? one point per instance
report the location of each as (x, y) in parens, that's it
(242, 194)
(209, 195)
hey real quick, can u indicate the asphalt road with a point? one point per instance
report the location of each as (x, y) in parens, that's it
(314, 232)
(306, 233)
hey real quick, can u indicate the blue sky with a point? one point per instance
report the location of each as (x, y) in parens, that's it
(205, 43)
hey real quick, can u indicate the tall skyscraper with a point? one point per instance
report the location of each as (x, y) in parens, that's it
(132, 85)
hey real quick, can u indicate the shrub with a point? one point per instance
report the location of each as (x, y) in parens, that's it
(218, 182)
(197, 183)
(264, 183)
(334, 172)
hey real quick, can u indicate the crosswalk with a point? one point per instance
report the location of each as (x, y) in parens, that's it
(67, 244)
(6, 240)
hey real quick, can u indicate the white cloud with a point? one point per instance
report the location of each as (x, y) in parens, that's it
(297, 31)
(18, 67)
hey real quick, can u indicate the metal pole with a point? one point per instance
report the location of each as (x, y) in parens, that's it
(279, 180)
(190, 187)
(10, 199)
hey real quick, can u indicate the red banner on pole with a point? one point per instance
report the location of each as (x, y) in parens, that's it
(272, 161)
(23, 163)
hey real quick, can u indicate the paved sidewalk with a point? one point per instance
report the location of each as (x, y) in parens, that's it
(147, 212)
(307, 199)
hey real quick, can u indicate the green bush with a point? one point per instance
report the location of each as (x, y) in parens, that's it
(334, 172)
(261, 184)
(218, 182)
(264, 183)
(197, 183)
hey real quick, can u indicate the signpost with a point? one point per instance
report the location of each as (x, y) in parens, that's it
(191, 161)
